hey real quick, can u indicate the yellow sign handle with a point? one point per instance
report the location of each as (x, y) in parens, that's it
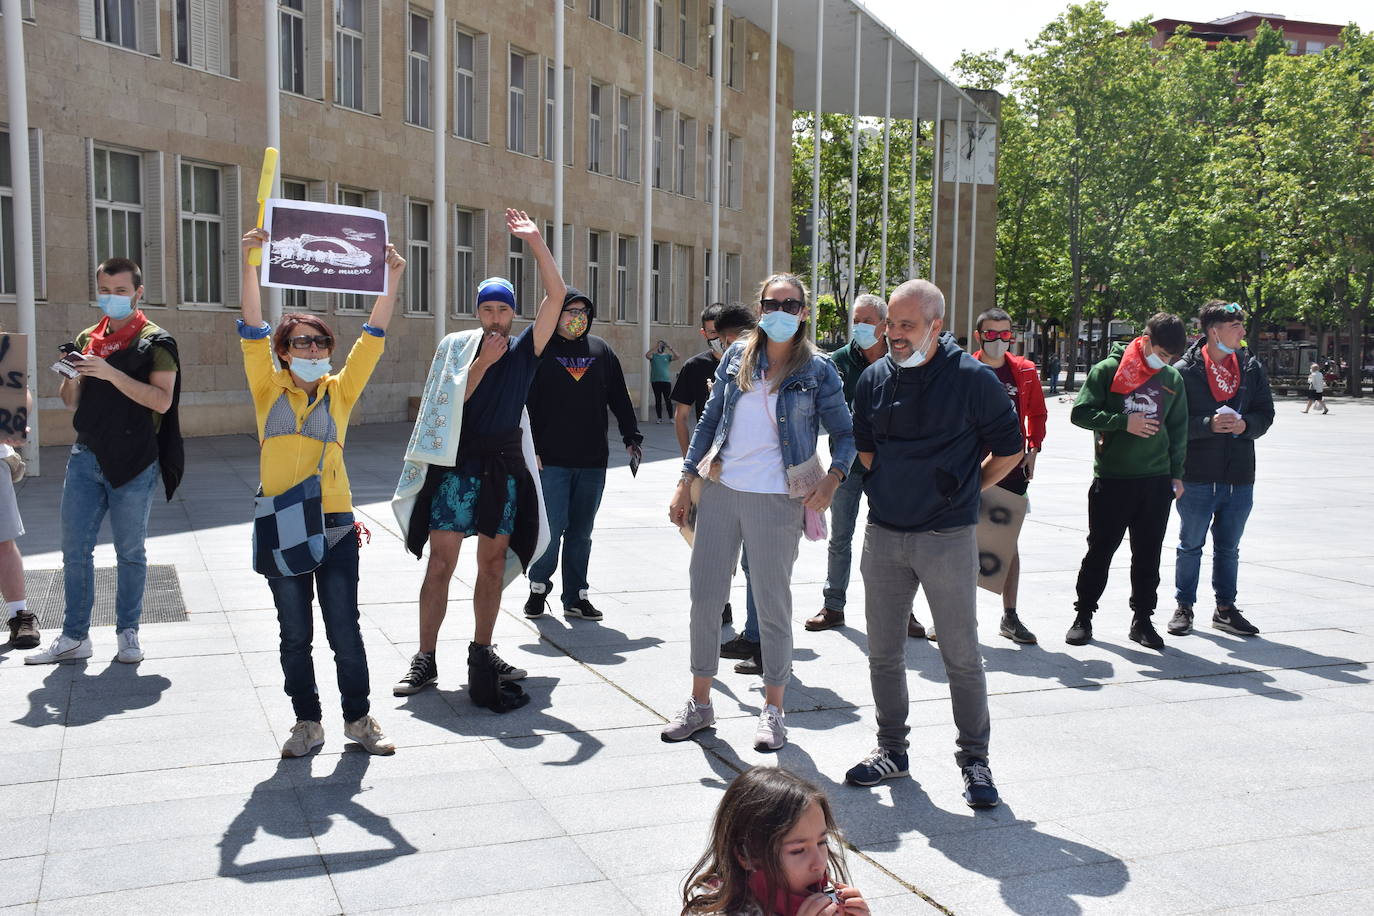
(269, 174)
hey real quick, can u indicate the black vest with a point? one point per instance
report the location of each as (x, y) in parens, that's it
(119, 431)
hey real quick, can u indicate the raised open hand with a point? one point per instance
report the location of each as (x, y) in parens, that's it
(521, 226)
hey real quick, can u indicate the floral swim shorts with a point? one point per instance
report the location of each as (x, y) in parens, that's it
(454, 507)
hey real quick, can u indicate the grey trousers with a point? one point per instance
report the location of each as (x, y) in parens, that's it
(770, 527)
(894, 565)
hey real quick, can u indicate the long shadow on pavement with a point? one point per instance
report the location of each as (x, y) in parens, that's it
(1270, 654)
(116, 689)
(1154, 665)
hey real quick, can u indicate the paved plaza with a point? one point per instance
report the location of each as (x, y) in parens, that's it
(1222, 775)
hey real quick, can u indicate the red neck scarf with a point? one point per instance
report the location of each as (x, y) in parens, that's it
(784, 902)
(1223, 377)
(1134, 371)
(103, 343)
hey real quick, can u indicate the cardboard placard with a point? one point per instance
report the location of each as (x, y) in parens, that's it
(1000, 515)
(325, 248)
(14, 385)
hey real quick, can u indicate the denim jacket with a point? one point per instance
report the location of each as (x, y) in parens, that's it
(807, 400)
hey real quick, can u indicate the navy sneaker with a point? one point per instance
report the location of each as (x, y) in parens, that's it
(877, 766)
(979, 792)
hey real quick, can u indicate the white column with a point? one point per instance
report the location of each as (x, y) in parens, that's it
(816, 169)
(887, 150)
(717, 59)
(272, 44)
(559, 153)
(769, 253)
(972, 245)
(646, 175)
(938, 138)
(854, 184)
(17, 94)
(952, 294)
(438, 41)
(915, 150)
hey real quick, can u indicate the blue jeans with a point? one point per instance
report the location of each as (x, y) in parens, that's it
(751, 611)
(336, 579)
(86, 497)
(572, 497)
(1224, 508)
(844, 512)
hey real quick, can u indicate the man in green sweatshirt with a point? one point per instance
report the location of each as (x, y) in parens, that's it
(1135, 404)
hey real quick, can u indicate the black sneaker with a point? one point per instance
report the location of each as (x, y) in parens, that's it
(423, 672)
(1012, 628)
(739, 647)
(1230, 620)
(751, 665)
(24, 631)
(727, 615)
(1081, 633)
(536, 604)
(582, 608)
(877, 766)
(1144, 632)
(979, 791)
(504, 670)
(1181, 624)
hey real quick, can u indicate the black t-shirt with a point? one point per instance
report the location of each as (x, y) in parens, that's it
(496, 404)
(693, 384)
(1016, 480)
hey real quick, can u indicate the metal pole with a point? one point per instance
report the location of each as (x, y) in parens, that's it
(887, 149)
(915, 149)
(938, 138)
(18, 113)
(854, 185)
(559, 153)
(953, 296)
(272, 43)
(772, 133)
(646, 248)
(816, 173)
(717, 61)
(972, 244)
(438, 40)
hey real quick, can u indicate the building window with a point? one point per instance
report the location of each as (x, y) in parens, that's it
(737, 31)
(470, 257)
(660, 179)
(418, 298)
(710, 165)
(417, 74)
(294, 300)
(711, 40)
(734, 172)
(202, 232)
(515, 271)
(118, 186)
(292, 40)
(730, 274)
(116, 22)
(1316, 47)
(660, 27)
(629, 18)
(594, 274)
(599, 10)
(682, 270)
(349, 61)
(201, 34)
(471, 72)
(596, 142)
(687, 32)
(352, 197)
(685, 157)
(627, 137)
(706, 285)
(658, 295)
(515, 119)
(622, 278)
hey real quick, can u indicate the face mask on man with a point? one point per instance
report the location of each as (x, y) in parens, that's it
(576, 324)
(995, 348)
(1154, 362)
(865, 335)
(918, 354)
(716, 346)
(116, 307)
(310, 370)
(1225, 350)
(779, 326)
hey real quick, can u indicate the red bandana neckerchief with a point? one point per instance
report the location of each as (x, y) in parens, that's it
(103, 343)
(1223, 377)
(1134, 371)
(784, 903)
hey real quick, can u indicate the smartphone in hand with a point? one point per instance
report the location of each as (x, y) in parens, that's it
(66, 363)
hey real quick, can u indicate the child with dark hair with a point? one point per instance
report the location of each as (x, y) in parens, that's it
(775, 851)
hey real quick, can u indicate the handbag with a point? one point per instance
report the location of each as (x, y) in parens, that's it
(288, 529)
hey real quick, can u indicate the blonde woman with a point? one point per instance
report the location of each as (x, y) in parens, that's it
(756, 444)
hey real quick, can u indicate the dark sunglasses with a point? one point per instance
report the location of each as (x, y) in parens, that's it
(790, 306)
(303, 342)
(998, 335)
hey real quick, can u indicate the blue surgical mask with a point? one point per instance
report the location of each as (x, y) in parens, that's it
(310, 370)
(918, 354)
(117, 308)
(865, 335)
(1154, 362)
(779, 326)
(1223, 348)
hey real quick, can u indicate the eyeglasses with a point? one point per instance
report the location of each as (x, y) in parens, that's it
(576, 311)
(303, 342)
(790, 306)
(998, 335)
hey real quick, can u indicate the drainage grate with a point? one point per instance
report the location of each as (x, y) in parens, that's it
(162, 599)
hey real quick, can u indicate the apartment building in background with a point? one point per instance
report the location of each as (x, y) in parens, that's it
(1302, 37)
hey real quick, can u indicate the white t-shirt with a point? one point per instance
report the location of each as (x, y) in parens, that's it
(1316, 381)
(751, 458)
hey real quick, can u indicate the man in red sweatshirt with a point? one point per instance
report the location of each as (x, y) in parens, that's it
(1021, 380)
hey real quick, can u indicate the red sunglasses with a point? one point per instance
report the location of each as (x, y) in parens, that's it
(998, 335)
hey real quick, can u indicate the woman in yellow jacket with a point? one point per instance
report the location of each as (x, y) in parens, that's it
(303, 409)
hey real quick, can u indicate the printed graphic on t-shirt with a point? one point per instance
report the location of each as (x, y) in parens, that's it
(1147, 399)
(1008, 380)
(577, 366)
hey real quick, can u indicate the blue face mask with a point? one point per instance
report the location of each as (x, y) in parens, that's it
(1154, 362)
(310, 370)
(865, 335)
(1227, 351)
(779, 326)
(116, 307)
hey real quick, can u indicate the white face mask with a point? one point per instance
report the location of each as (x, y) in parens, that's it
(716, 346)
(918, 354)
(1154, 362)
(995, 348)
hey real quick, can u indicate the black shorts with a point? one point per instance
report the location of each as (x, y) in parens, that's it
(1313, 395)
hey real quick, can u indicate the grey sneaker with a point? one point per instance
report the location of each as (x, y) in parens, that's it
(62, 649)
(688, 722)
(771, 735)
(369, 734)
(130, 652)
(305, 737)
(1181, 624)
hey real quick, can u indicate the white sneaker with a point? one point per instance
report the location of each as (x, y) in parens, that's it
(305, 737)
(368, 733)
(63, 649)
(129, 651)
(770, 735)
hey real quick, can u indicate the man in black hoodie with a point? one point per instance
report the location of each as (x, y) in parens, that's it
(1229, 407)
(576, 383)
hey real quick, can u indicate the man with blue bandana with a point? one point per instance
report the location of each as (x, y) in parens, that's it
(489, 492)
(127, 439)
